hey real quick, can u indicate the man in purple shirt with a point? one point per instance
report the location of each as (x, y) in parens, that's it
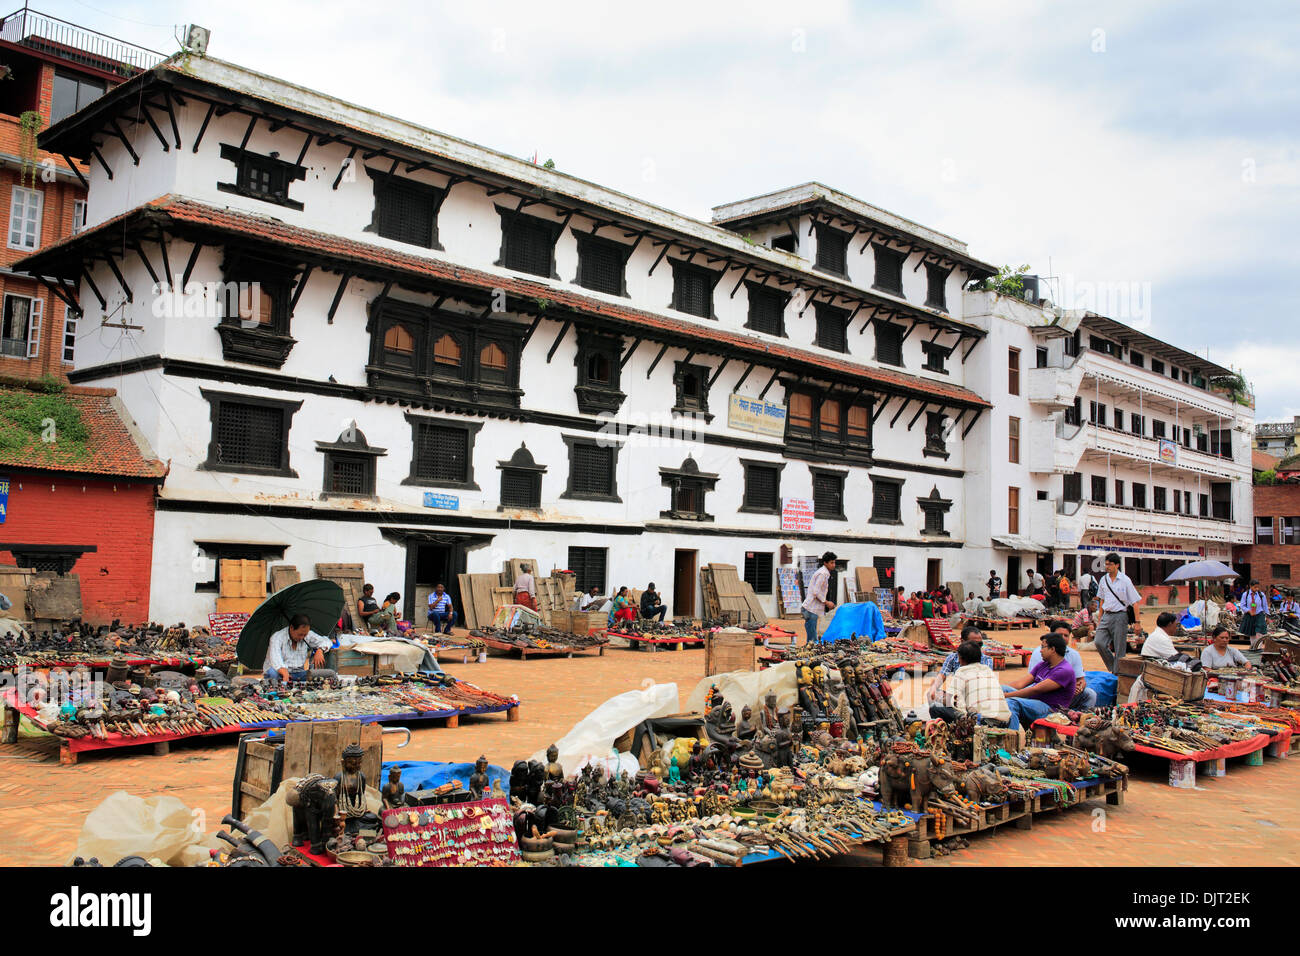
(1048, 686)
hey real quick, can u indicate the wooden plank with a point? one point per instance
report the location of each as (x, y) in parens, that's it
(756, 610)
(297, 748)
(326, 747)
(372, 742)
(867, 577)
(282, 576)
(228, 605)
(467, 601)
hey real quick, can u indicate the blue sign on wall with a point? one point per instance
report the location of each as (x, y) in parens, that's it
(445, 502)
(4, 499)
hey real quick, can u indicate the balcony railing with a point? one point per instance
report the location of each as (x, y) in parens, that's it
(56, 37)
(1275, 430)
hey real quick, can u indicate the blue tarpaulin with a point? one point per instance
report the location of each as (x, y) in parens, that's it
(862, 619)
(1105, 684)
(427, 774)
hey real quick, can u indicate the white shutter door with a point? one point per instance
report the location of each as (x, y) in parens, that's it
(34, 327)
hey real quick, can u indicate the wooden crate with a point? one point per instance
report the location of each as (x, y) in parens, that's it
(580, 622)
(316, 746)
(1159, 679)
(257, 774)
(724, 653)
(348, 661)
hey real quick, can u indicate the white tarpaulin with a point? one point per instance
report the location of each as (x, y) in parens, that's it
(592, 738)
(741, 688)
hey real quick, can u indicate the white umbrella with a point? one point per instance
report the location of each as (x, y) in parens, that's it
(1202, 571)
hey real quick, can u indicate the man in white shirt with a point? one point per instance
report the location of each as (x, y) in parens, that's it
(1160, 642)
(816, 603)
(591, 600)
(1117, 595)
(1087, 587)
(286, 652)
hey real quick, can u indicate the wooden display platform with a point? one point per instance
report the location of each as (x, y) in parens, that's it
(1002, 623)
(893, 852)
(557, 651)
(1020, 811)
(642, 643)
(70, 748)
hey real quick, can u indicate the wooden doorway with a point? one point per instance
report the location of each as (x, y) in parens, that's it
(933, 574)
(1015, 582)
(685, 582)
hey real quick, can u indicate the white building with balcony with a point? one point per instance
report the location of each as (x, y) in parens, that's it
(1102, 438)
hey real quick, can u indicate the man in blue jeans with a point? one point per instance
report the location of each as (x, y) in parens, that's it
(441, 616)
(1049, 686)
(816, 603)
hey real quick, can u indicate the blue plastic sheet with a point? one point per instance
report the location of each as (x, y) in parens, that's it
(427, 774)
(862, 619)
(1105, 684)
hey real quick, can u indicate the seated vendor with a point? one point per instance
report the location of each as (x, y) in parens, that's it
(973, 689)
(623, 608)
(286, 653)
(1218, 654)
(969, 634)
(1084, 697)
(1049, 685)
(1289, 606)
(651, 605)
(442, 617)
(367, 607)
(1160, 642)
(591, 600)
(385, 619)
(1084, 624)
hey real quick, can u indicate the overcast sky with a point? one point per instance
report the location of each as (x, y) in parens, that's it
(1145, 153)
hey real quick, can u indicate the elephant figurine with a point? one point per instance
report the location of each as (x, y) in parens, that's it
(312, 801)
(943, 778)
(984, 785)
(905, 781)
(1103, 737)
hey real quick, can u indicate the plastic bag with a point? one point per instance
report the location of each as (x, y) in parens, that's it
(594, 735)
(741, 688)
(123, 825)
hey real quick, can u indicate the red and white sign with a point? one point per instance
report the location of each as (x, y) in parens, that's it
(796, 514)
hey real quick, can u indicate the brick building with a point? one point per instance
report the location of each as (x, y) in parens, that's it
(85, 503)
(1274, 557)
(50, 68)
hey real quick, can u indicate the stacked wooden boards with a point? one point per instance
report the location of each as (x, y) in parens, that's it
(482, 594)
(350, 577)
(727, 597)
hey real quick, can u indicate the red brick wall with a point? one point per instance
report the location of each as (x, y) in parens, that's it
(1276, 502)
(115, 578)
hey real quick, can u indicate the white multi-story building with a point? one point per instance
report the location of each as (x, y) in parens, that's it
(1102, 438)
(357, 340)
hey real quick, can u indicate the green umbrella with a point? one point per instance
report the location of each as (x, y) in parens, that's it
(320, 600)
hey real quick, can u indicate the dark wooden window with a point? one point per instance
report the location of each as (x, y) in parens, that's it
(935, 442)
(858, 425)
(1139, 495)
(1040, 357)
(692, 382)
(1136, 358)
(1072, 487)
(350, 465)
(1205, 506)
(889, 343)
(1013, 440)
(832, 249)
(693, 289)
(823, 425)
(443, 453)
(1280, 572)
(766, 309)
(933, 521)
(1098, 489)
(602, 264)
(1118, 418)
(1097, 413)
(828, 494)
(886, 500)
(762, 487)
(1119, 491)
(528, 243)
(787, 243)
(831, 327)
(588, 567)
(1158, 366)
(406, 210)
(1221, 442)
(1157, 428)
(261, 177)
(936, 357)
(800, 412)
(521, 480)
(592, 469)
(1137, 423)
(1160, 502)
(256, 311)
(687, 489)
(249, 435)
(1013, 371)
(936, 285)
(758, 571)
(598, 373)
(889, 269)
(934, 507)
(1013, 511)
